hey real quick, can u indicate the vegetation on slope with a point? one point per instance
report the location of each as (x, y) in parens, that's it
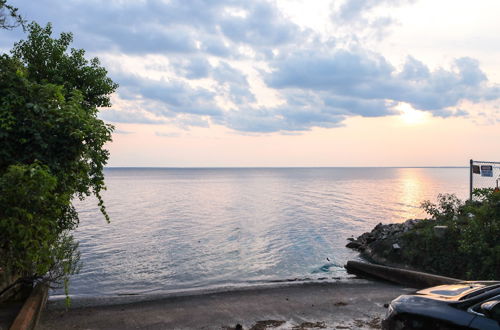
(51, 151)
(460, 239)
(470, 246)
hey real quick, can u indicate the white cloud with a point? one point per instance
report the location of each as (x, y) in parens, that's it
(186, 62)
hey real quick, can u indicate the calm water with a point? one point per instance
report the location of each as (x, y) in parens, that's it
(179, 229)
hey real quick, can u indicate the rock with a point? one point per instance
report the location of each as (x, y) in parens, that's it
(354, 245)
(370, 238)
(383, 241)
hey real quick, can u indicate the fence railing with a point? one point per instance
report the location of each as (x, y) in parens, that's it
(483, 174)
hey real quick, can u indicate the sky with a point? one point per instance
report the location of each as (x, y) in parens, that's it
(230, 83)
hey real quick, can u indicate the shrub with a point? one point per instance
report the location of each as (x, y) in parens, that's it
(471, 247)
(52, 151)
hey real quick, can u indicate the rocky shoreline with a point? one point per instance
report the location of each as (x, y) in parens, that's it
(384, 244)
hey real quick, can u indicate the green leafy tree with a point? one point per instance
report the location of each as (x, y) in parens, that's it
(470, 248)
(480, 237)
(51, 150)
(9, 16)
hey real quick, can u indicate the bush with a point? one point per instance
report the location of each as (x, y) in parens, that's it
(470, 249)
(52, 151)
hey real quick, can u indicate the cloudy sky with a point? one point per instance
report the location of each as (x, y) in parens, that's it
(291, 82)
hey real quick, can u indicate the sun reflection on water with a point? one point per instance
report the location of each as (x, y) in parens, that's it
(177, 229)
(411, 195)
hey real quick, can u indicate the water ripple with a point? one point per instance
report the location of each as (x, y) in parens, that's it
(175, 229)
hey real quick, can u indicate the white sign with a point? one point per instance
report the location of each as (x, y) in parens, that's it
(487, 170)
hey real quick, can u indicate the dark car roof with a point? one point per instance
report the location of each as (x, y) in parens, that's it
(449, 303)
(460, 291)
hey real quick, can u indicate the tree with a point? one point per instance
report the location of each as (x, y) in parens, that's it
(9, 16)
(470, 248)
(51, 150)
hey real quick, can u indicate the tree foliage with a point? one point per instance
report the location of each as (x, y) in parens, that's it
(52, 149)
(9, 16)
(470, 249)
(34, 218)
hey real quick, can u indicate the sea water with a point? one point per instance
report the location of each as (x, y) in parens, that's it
(184, 229)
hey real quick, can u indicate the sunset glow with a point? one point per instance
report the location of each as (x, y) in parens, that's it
(411, 116)
(222, 84)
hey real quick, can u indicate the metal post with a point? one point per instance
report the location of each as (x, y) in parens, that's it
(471, 178)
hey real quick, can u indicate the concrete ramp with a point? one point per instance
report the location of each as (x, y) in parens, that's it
(414, 279)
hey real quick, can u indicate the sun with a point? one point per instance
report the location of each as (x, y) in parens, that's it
(410, 116)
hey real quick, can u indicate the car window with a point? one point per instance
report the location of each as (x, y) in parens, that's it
(489, 309)
(492, 309)
(478, 292)
(496, 314)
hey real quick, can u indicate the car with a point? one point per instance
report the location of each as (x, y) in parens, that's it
(465, 305)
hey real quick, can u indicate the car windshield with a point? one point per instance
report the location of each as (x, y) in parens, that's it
(452, 291)
(480, 291)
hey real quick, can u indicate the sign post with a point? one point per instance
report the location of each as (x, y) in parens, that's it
(471, 178)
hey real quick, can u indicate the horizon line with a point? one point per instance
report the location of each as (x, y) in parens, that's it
(271, 167)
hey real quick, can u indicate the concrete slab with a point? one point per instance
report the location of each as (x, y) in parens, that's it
(353, 304)
(401, 276)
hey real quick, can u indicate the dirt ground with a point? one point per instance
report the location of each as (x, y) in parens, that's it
(353, 304)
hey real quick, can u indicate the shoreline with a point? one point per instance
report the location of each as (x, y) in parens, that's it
(340, 275)
(87, 300)
(356, 303)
